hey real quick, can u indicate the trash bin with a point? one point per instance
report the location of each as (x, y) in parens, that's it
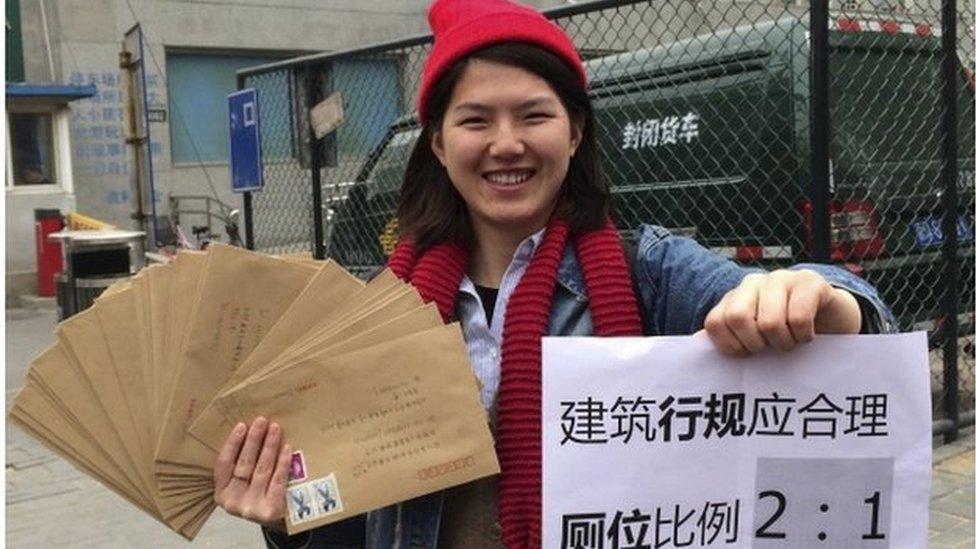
(93, 261)
(87, 289)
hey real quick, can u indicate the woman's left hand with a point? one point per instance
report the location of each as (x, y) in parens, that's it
(780, 309)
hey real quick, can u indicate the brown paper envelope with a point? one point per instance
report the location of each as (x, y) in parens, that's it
(57, 371)
(186, 521)
(412, 322)
(140, 316)
(184, 264)
(415, 321)
(374, 311)
(381, 425)
(44, 417)
(115, 314)
(177, 500)
(386, 303)
(171, 484)
(191, 530)
(396, 305)
(181, 470)
(51, 437)
(192, 519)
(242, 295)
(375, 291)
(48, 404)
(187, 280)
(331, 289)
(82, 338)
(36, 388)
(330, 286)
(369, 319)
(48, 424)
(160, 297)
(181, 474)
(174, 480)
(187, 510)
(186, 489)
(181, 497)
(175, 504)
(394, 302)
(131, 483)
(187, 527)
(338, 344)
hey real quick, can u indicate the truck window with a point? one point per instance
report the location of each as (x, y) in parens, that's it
(387, 172)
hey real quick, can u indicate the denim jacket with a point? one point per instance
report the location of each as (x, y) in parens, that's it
(679, 282)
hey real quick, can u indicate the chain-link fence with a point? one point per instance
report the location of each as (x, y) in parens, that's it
(703, 114)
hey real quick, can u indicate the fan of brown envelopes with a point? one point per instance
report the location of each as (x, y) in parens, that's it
(373, 392)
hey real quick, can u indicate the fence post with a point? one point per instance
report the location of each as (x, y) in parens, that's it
(248, 207)
(950, 247)
(315, 163)
(819, 132)
(248, 222)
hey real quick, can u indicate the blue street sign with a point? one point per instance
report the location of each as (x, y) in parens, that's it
(245, 141)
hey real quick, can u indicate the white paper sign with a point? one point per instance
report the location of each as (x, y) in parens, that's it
(663, 442)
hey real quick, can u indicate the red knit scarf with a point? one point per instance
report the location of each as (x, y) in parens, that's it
(437, 276)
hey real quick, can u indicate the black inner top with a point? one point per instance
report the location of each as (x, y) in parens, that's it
(488, 297)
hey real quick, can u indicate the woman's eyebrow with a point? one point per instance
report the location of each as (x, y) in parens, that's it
(472, 107)
(525, 105)
(537, 102)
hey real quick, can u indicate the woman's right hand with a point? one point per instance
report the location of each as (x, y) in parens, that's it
(251, 473)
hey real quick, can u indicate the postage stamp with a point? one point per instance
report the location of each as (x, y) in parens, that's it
(297, 471)
(314, 499)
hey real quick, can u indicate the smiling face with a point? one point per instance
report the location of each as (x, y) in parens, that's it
(506, 142)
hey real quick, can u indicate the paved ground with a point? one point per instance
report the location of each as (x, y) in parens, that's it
(49, 504)
(951, 523)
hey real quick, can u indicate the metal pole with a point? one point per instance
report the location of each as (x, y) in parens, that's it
(248, 204)
(819, 132)
(950, 248)
(248, 222)
(315, 161)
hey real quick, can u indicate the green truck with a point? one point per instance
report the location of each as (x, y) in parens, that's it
(710, 137)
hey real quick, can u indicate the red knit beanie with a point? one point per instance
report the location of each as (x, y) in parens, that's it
(463, 26)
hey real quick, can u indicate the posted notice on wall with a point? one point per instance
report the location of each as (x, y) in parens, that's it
(663, 442)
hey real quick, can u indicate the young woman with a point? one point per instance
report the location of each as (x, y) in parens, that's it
(506, 225)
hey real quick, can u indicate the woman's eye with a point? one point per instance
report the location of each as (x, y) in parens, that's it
(538, 116)
(472, 121)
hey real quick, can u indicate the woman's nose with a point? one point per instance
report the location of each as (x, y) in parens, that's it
(507, 140)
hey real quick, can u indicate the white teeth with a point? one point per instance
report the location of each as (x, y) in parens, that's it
(509, 178)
